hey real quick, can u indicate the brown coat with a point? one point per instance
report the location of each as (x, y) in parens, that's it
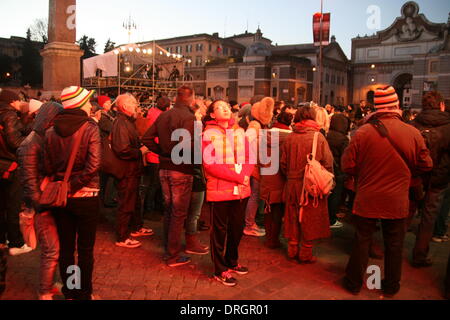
(272, 186)
(382, 178)
(315, 222)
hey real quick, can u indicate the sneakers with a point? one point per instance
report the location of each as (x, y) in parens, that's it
(47, 296)
(129, 243)
(254, 231)
(337, 225)
(226, 279)
(193, 246)
(180, 261)
(18, 251)
(439, 239)
(239, 270)
(143, 232)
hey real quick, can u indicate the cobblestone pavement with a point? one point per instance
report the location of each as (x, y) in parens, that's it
(138, 274)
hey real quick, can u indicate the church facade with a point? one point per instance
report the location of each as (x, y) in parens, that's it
(413, 55)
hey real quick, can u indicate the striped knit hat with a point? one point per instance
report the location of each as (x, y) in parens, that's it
(75, 97)
(386, 98)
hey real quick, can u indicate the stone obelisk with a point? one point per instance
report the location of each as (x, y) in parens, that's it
(61, 56)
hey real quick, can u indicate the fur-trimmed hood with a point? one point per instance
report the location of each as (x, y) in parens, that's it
(263, 110)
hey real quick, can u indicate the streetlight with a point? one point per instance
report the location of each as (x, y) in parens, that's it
(314, 69)
(372, 66)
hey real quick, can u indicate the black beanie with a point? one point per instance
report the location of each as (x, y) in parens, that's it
(8, 96)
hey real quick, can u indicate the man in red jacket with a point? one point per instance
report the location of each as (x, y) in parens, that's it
(383, 155)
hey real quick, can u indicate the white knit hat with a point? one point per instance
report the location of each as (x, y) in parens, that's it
(35, 105)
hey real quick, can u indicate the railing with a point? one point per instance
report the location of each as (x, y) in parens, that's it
(135, 83)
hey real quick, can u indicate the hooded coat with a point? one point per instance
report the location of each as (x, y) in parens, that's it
(30, 154)
(440, 148)
(382, 178)
(58, 143)
(315, 221)
(337, 137)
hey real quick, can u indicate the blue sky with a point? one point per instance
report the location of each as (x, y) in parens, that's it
(282, 21)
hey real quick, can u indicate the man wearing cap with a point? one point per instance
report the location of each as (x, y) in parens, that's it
(77, 222)
(10, 196)
(383, 168)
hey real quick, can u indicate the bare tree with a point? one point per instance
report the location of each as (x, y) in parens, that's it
(39, 30)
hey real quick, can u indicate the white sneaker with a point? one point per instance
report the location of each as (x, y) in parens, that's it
(47, 296)
(254, 232)
(129, 243)
(337, 225)
(19, 251)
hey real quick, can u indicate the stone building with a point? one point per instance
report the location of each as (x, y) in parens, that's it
(413, 55)
(244, 65)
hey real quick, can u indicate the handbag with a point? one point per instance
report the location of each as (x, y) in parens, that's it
(111, 164)
(54, 193)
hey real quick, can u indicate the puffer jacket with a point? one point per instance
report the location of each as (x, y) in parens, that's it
(57, 147)
(219, 160)
(30, 155)
(126, 144)
(382, 177)
(11, 130)
(440, 149)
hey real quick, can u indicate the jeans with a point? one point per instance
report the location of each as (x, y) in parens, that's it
(228, 219)
(393, 235)
(10, 206)
(77, 225)
(177, 188)
(47, 234)
(129, 215)
(335, 198)
(433, 201)
(195, 210)
(253, 203)
(441, 226)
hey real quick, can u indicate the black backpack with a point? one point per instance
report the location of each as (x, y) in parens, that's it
(433, 139)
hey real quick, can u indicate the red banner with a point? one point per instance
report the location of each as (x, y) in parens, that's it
(325, 29)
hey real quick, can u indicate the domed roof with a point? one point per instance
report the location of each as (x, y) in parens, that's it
(258, 50)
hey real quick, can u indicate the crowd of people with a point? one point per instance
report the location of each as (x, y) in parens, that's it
(190, 156)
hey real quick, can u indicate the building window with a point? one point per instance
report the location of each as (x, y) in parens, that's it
(327, 78)
(169, 50)
(189, 48)
(210, 47)
(225, 51)
(199, 47)
(275, 92)
(178, 49)
(198, 61)
(434, 66)
(188, 62)
(209, 92)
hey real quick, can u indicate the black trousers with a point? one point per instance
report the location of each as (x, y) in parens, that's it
(273, 221)
(393, 235)
(77, 225)
(228, 221)
(129, 215)
(10, 206)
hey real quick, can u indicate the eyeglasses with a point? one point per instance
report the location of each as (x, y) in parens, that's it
(223, 107)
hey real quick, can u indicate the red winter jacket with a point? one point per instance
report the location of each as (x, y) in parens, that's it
(219, 161)
(152, 115)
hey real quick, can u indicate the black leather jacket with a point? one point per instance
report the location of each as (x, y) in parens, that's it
(58, 143)
(11, 131)
(126, 144)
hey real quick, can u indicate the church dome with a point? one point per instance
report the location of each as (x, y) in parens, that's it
(258, 50)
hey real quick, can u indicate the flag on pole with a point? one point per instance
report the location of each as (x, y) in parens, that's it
(325, 28)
